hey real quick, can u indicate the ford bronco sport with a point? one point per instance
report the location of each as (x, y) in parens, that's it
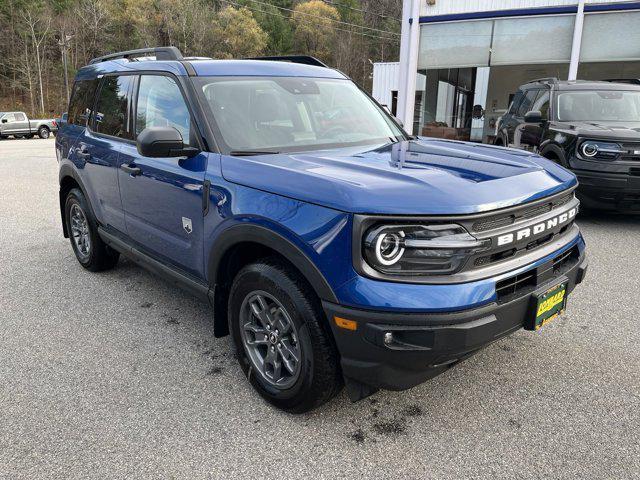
(333, 247)
(591, 128)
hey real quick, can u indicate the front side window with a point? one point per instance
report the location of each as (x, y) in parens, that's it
(599, 106)
(21, 117)
(81, 104)
(113, 106)
(527, 102)
(161, 104)
(542, 104)
(287, 114)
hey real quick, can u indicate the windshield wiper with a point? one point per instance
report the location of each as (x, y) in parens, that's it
(248, 153)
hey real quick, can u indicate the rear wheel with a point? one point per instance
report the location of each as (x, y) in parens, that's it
(282, 340)
(44, 132)
(92, 253)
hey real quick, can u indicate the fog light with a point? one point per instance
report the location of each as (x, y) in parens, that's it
(388, 338)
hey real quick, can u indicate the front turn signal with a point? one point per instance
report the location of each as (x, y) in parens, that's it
(345, 323)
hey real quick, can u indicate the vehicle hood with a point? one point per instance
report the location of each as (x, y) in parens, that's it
(613, 130)
(424, 176)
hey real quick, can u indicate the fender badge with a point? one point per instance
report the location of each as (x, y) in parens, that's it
(186, 224)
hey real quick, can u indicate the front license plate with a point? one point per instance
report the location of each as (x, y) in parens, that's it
(548, 305)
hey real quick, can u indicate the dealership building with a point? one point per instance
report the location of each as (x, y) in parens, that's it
(461, 61)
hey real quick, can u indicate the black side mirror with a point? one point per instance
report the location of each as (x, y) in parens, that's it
(4, 120)
(534, 116)
(163, 142)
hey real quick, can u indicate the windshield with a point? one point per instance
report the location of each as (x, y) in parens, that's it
(286, 114)
(599, 106)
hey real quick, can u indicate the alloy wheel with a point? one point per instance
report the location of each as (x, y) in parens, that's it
(270, 339)
(80, 231)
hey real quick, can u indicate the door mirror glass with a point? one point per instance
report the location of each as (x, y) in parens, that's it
(534, 116)
(163, 142)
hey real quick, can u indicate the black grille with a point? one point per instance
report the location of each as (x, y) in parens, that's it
(566, 260)
(498, 221)
(527, 281)
(631, 149)
(513, 285)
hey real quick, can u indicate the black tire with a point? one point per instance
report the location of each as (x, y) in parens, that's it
(319, 378)
(44, 132)
(98, 255)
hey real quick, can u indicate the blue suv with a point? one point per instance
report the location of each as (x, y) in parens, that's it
(333, 247)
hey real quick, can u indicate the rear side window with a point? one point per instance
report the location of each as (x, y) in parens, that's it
(20, 117)
(161, 104)
(81, 104)
(112, 107)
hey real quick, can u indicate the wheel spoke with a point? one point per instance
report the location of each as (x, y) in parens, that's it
(282, 323)
(260, 309)
(289, 355)
(260, 335)
(271, 360)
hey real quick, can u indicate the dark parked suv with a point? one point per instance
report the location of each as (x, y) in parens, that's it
(333, 247)
(591, 128)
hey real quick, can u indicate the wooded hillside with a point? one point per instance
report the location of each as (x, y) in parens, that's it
(346, 34)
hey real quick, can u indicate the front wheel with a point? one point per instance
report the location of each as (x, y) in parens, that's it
(43, 132)
(283, 342)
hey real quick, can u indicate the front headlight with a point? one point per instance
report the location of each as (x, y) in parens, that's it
(599, 150)
(420, 249)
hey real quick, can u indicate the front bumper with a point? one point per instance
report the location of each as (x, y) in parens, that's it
(609, 191)
(425, 345)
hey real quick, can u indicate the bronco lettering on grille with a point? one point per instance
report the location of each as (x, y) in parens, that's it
(538, 228)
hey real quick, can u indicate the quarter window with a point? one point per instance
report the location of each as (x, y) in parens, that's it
(81, 104)
(161, 104)
(113, 106)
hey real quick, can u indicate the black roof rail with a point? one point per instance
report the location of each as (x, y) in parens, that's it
(161, 53)
(553, 80)
(304, 59)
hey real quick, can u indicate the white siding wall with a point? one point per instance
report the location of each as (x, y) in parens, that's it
(446, 7)
(385, 80)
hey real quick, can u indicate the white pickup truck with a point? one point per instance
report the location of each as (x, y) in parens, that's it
(18, 125)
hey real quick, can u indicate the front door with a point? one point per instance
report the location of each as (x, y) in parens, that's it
(162, 197)
(533, 133)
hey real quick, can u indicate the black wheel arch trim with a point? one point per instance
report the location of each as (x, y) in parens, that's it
(557, 151)
(67, 170)
(237, 234)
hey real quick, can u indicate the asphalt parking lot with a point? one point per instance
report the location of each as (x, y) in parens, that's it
(117, 375)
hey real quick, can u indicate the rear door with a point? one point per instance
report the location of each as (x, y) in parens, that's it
(98, 148)
(162, 200)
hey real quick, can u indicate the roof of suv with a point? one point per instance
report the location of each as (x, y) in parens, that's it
(566, 85)
(207, 67)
